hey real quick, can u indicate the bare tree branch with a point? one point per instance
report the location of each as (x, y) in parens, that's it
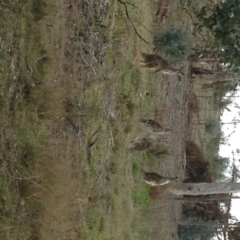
(135, 30)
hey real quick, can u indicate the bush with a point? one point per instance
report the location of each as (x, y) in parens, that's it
(212, 127)
(219, 168)
(173, 43)
(189, 232)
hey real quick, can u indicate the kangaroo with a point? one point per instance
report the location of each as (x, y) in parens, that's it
(140, 144)
(154, 179)
(145, 142)
(163, 12)
(157, 63)
(155, 126)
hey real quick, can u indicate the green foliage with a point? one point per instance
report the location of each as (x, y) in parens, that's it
(223, 22)
(190, 232)
(174, 43)
(219, 165)
(223, 140)
(220, 139)
(212, 126)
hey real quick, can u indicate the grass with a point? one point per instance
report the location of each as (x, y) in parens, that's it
(122, 194)
(141, 196)
(127, 79)
(24, 138)
(136, 168)
(38, 9)
(67, 124)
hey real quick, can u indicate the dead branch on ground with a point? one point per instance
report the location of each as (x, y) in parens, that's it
(126, 11)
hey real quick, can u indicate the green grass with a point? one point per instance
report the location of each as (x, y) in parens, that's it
(141, 196)
(136, 168)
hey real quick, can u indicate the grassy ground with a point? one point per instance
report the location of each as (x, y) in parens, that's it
(71, 95)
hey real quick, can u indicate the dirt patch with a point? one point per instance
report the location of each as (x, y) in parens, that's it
(61, 201)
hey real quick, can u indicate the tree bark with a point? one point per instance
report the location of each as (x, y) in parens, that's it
(204, 200)
(205, 57)
(194, 189)
(222, 76)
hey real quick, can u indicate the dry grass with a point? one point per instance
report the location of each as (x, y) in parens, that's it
(71, 96)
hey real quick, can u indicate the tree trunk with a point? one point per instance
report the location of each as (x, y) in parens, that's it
(205, 57)
(204, 200)
(202, 71)
(222, 76)
(194, 189)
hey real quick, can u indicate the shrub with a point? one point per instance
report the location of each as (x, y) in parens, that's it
(212, 126)
(173, 43)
